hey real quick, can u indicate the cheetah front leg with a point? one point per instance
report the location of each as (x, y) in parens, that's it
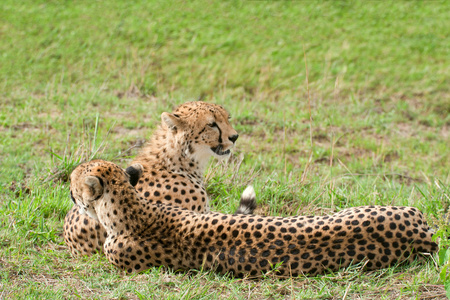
(82, 234)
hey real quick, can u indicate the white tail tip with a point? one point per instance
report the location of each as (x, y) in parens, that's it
(249, 192)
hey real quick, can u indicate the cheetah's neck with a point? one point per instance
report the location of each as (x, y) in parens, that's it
(123, 214)
(173, 153)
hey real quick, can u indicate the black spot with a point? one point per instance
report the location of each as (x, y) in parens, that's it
(380, 219)
(340, 261)
(357, 229)
(366, 223)
(279, 243)
(219, 268)
(285, 259)
(287, 237)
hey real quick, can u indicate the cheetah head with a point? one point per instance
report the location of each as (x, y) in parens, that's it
(205, 126)
(89, 183)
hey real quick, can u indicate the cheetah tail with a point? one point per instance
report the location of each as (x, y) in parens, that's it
(248, 202)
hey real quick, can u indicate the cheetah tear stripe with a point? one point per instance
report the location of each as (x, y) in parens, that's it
(142, 234)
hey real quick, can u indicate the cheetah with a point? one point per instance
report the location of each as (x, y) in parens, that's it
(174, 162)
(143, 234)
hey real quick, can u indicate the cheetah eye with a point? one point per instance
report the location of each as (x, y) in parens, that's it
(213, 124)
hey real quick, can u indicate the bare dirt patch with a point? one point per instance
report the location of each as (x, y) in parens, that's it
(121, 132)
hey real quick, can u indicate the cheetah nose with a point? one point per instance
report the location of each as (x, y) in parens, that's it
(233, 138)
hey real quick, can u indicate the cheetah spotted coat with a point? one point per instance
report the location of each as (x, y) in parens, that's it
(142, 234)
(174, 162)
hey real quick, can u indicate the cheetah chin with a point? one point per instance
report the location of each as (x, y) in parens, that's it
(219, 151)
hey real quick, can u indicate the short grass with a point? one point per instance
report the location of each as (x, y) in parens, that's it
(338, 104)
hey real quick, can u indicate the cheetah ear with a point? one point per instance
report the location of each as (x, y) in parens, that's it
(135, 171)
(95, 186)
(172, 121)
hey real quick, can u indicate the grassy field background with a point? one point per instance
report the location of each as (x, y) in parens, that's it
(338, 104)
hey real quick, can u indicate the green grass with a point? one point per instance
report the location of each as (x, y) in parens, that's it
(83, 80)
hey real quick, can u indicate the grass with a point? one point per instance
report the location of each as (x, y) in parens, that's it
(83, 80)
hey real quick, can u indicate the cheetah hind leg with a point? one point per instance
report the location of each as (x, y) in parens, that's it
(248, 202)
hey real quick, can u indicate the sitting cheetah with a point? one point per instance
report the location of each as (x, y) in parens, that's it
(174, 162)
(142, 234)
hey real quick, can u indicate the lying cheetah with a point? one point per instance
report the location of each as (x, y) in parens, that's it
(174, 162)
(142, 234)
